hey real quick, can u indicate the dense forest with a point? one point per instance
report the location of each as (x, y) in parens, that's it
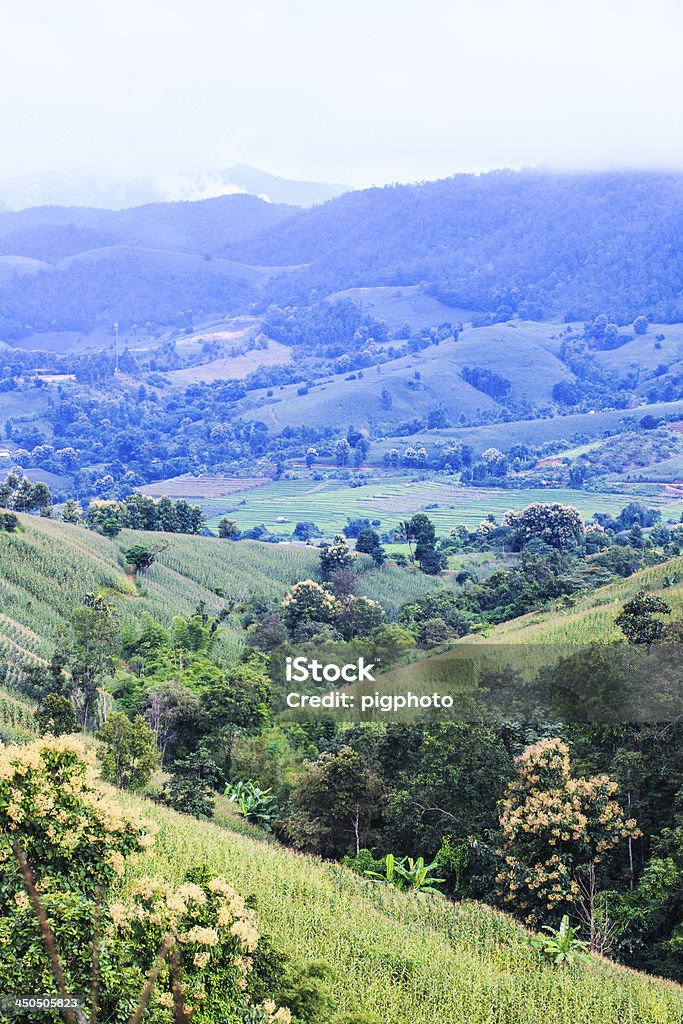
(530, 243)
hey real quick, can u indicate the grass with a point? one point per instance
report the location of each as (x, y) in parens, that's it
(202, 487)
(48, 566)
(406, 304)
(231, 367)
(534, 432)
(399, 957)
(591, 618)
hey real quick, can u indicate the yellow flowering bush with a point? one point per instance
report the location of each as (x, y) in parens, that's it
(553, 826)
(66, 919)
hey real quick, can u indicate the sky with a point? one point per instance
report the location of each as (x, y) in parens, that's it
(358, 92)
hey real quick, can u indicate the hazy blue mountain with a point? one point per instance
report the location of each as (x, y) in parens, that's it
(77, 190)
(53, 232)
(533, 242)
(282, 190)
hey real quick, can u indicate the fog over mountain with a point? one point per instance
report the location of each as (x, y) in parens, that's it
(117, 193)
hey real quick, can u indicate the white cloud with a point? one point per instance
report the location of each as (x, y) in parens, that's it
(361, 91)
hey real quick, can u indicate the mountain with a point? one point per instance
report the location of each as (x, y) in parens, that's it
(121, 193)
(533, 242)
(54, 232)
(282, 190)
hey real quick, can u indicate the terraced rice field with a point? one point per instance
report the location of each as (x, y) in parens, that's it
(390, 499)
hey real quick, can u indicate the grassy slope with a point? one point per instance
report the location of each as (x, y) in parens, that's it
(502, 435)
(48, 566)
(450, 963)
(591, 619)
(525, 354)
(405, 304)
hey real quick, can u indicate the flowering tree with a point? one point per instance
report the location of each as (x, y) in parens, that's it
(158, 952)
(560, 526)
(555, 828)
(307, 601)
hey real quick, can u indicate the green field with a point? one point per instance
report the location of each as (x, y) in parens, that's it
(392, 498)
(590, 619)
(48, 566)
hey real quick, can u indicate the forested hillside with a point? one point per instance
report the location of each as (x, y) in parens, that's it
(533, 242)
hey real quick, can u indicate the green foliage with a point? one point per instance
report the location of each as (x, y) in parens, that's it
(306, 602)
(553, 826)
(335, 558)
(559, 526)
(139, 557)
(193, 783)
(9, 522)
(560, 945)
(129, 752)
(19, 494)
(333, 804)
(55, 715)
(636, 619)
(227, 528)
(399, 957)
(257, 805)
(407, 874)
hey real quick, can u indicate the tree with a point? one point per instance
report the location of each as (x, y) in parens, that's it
(306, 530)
(335, 558)
(18, 493)
(9, 522)
(641, 324)
(139, 557)
(556, 829)
(106, 517)
(334, 805)
(342, 451)
(560, 526)
(194, 781)
(175, 716)
(367, 541)
(90, 653)
(227, 528)
(130, 752)
(358, 616)
(167, 950)
(636, 619)
(311, 456)
(56, 715)
(72, 512)
(420, 529)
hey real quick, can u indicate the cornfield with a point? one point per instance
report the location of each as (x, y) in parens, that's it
(400, 957)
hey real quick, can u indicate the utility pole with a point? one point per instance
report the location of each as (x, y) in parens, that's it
(116, 335)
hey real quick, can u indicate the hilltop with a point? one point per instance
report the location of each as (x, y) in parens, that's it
(531, 243)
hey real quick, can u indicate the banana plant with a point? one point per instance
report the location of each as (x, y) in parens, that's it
(407, 874)
(560, 945)
(256, 805)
